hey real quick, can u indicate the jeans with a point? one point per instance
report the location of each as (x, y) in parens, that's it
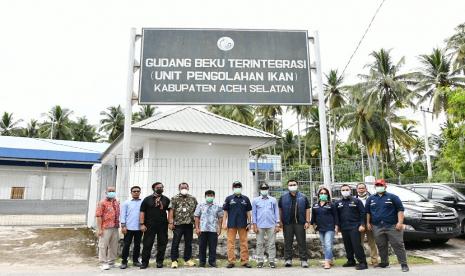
(298, 230)
(161, 231)
(137, 236)
(210, 240)
(383, 235)
(186, 230)
(353, 246)
(326, 238)
(271, 246)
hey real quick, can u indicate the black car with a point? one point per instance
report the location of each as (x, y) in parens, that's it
(449, 194)
(423, 219)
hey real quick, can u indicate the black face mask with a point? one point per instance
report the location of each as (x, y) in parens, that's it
(158, 191)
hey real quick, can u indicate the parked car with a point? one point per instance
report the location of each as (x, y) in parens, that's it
(424, 219)
(449, 194)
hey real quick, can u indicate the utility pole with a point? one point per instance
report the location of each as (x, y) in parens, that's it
(428, 159)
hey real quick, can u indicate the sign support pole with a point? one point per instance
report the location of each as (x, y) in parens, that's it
(126, 161)
(322, 114)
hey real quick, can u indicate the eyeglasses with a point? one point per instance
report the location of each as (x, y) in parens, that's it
(135, 191)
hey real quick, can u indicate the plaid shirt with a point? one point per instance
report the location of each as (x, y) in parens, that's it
(108, 210)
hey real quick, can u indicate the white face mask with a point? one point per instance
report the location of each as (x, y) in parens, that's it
(292, 188)
(345, 193)
(184, 191)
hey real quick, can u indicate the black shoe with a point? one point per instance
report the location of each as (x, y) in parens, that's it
(212, 265)
(404, 268)
(288, 263)
(144, 266)
(159, 265)
(349, 264)
(383, 265)
(123, 266)
(247, 265)
(361, 266)
(260, 265)
(272, 265)
(230, 265)
(201, 264)
(136, 264)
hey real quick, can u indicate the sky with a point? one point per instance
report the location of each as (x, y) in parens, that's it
(75, 53)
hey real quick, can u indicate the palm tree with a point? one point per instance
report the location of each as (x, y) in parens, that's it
(113, 122)
(406, 138)
(145, 111)
(289, 146)
(297, 109)
(436, 78)
(83, 131)
(32, 129)
(8, 125)
(57, 124)
(335, 98)
(240, 113)
(456, 48)
(312, 132)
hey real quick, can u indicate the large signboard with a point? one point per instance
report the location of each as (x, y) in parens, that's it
(198, 66)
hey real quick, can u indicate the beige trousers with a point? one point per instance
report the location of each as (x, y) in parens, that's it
(108, 246)
(372, 244)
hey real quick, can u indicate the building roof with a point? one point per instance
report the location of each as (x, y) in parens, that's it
(32, 149)
(193, 120)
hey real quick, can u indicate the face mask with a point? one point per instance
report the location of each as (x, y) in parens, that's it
(184, 191)
(111, 194)
(292, 188)
(237, 191)
(345, 193)
(264, 192)
(159, 191)
(362, 195)
(209, 199)
(324, 197)
(380, 189)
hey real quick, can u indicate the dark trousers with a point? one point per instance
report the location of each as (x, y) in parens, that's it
(130, 235)
(298, 230)
(161, 231)
(389, 235)
(186, 230)
(210, 240)
(353, 246)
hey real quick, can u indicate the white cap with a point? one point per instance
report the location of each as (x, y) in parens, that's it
(370, 179)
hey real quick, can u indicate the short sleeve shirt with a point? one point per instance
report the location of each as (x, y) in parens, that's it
(183, 209)
(108, 210)
(383, 209)
(209, 214)
(237, 208)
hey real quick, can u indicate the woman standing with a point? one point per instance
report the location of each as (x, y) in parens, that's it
(324, 217)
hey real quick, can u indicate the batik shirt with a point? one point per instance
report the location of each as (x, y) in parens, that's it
(183, 209)
(209, 215)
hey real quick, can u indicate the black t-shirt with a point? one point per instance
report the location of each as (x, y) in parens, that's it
(154, 215)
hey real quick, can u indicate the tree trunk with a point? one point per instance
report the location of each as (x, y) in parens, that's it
(375, 162)
(382, 163)
(363, 163)
(332, 146)
(370, 166)
(411, 163)
(298, 138)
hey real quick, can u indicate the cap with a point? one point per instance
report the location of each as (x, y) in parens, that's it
(264, 186)
(380, 182)
(237, 184)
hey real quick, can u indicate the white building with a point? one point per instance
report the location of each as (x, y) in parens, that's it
(183, 145)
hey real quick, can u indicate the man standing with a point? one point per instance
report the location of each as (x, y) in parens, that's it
(385, 216)
(294, 210)
(351, 217)
(237, 217)
(181, 222)
(130, 227)
(154, 222)
(265, 219)
(208, 220)
(363, 195)
(107, 215)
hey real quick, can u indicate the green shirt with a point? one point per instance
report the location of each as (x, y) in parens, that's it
(183, 209)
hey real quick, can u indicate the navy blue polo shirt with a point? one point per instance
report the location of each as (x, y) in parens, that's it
(237, 208)
(383, 209)
(350, 212)
(325, 217)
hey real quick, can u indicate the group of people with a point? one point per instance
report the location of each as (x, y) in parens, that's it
(379, 217)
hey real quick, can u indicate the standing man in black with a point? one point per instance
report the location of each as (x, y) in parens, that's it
(154, 221)
(351, 216)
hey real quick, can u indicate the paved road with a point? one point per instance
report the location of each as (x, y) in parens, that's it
(423, 270)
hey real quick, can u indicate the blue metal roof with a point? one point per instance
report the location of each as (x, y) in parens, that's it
(50, 150)
(261, 166)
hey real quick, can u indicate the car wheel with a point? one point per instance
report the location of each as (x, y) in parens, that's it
(439, 241)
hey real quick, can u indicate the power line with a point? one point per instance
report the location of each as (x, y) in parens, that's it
(363, 36)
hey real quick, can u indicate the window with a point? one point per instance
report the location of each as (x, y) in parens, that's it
(440, 194)
(138, 155)
(424, 191)
(17, 193)
(275, 176)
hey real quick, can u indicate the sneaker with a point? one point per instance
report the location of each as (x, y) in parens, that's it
(174, 264)
(404, 268)
(349, 264)
(143, 266)
(247, 265)
(190, 263)
(383, 265)
(123, 266)
(138, 264)
(159, 265)
(202, 265)
(361, 266)
(230, 265)
(105, 267)
(272, 264)
(304, 264)
(259, 264)
(288, 263)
